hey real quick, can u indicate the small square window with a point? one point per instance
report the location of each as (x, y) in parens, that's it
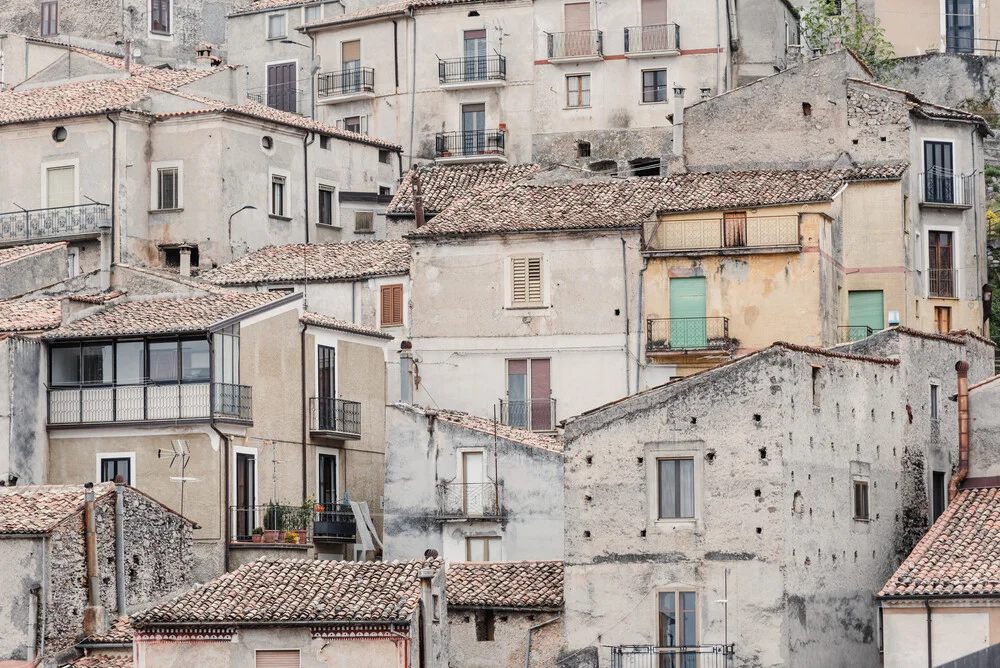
(354, 124)
(324, 142)
(111, 467)
(364, 221)
(313, 13)
(384, 191)
(861, 500)
(167, 188)
(583, 149)
(654, 86)
(276, 26)
(385, 157)
(278, 195)
(578, 90)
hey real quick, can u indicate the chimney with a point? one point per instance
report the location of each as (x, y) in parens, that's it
(963, 429)
(104, 228)
(430, 613)
(706, 93)
(203, 56)
(418, 198)
(95, 619)
(185, 253)
(678, 120)
(405, 366)
(128, 55)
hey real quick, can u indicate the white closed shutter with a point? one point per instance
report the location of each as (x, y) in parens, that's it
(277, 658)
(519, 279)
(535, 280)
(60, 184)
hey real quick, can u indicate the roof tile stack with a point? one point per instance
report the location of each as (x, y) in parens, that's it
(506, 584)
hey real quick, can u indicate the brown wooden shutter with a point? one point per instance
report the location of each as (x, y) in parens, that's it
(397, 304)
(386, 305)
(277, 658)
(654, 12)
(392, 305)
(351, 51)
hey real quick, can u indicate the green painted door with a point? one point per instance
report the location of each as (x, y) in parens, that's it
(865, 309)
(687, 313)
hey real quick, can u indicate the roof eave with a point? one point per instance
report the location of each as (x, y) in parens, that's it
(256, 310)
(496, 233)
(667, 212)
(140, 625)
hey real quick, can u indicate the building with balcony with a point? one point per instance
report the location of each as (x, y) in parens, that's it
(471, 488)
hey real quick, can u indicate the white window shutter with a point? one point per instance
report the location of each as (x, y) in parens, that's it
(519, 280)
(535, 280)
(364, 125)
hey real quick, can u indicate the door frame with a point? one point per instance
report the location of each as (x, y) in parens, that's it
(284, 61)
(244, 450)
(955, 232)
(329, 452)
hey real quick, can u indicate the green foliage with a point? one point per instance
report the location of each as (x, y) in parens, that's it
(825, 30)
(258, 531)
(992, 173)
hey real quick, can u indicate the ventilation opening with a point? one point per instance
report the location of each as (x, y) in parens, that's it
(484, 626)
(763, 453)
(583, 149)
(807, 109)
(645, 166)
(324, 142)
(172, 257)
(604, 166)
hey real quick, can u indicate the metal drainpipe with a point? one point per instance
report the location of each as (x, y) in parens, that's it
(963, 430)
(91, 624)
(311, 137)
(628, 376)
(638, 348)
(527, 651)
(120, 544)
(975, 219)
(224, 449)
(930, 661)
(114, 184)
(305, 410)
(413, 81)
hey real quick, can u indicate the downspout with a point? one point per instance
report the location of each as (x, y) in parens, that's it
(638, 348)
(305, 404)
(312, 76)
(120, 544)
(930, 661)
(94, 618)
(114, 186)
(975, 218)
(418, 198)
(527, 651)
(963, 430)
(628, 376)
(395, 51)
(354, 284)
(718, 45)
(413, 82)
(311, 137)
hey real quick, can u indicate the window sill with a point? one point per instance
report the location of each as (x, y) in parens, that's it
(585, 106)
(862, 520)
(152, 211)
(277, 217)
(326, 226)
(391, 326)
(648, 104)
(527, 307)
(276, 38)
(679, 522)
(364, 231)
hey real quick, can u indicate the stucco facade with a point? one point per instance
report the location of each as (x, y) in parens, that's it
(511, 629)
(22, 411)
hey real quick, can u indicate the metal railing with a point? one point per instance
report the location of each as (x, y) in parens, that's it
(476, 68)
(666, 334)
(664, 37)
(648, 656)
(852, 333)
(335, 521)
(532, 414)
(335, 415)
(345, 82)
(470, 143)
(63, 221)
(576, 44)
(942, 282)
(978, 46)
(149, 403)
(458, 500)
(284, 97)
(942, 186)
(722, 233)
(276, 520)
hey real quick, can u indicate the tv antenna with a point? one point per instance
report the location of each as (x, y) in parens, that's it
(178, 452)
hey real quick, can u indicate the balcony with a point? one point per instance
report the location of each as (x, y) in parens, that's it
(655, 40)
(697, 656)
(477, 72)
(470, 146)
(334, 522)
(66, 222)
(944, 189)
(942, 283)
(356, 83)
(173, 402)
(533, 414)
(469, 501)
(335, 418)
(307, 523)
(664, 335)
(575, 47)
(852, 333)
(977, 46)
(727, 235)
(283, 97)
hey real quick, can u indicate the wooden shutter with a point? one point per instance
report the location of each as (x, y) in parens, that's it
(654, 12)
(519, 281)
(392, 305)
(865, 309)
(541, 391)
(277, 658)
(351, 51)
(60, 184)
(577, 16)
(535, 280)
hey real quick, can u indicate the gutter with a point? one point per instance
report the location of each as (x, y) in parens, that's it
(224, 449)
(628, 383)
(222, 324)
(930, 644)
(114, 184)
(499, 233)
(527, 651)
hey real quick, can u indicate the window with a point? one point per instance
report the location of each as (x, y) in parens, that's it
(72, 262)
(282, 93)
(482, 549)
(111, 467)
(654, 86)
(934, 403)
(364, 221)
(313, 13)
(355, 124)
(50, 19)
(278, 195)
(195, 361)
(526, 281)
(130, 362)
(865, 309)
(578, 90)
(276, 26)
(815, 386)
(474, 52)
(734, 224)
(385, 157)
(326, 201)
(677, 622)
(942, 318)
(324, 142)
(939, 172)
(941, 265)
(675, 485)
(938, 491)
(167, 188)
(529, 395)
(163, 361)
(485, 625)
(392, 305)
(60, 186)
(384, 191)
(77, 364)
(276, 658)
(861, 500)
(159, 16)
(960, 26)
(328, 496)
(227, 369)
(326, 388)
(583, 149)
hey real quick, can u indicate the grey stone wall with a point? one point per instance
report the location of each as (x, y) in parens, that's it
(32, 272)
(612, 149)
(510, 636)
(22, 561)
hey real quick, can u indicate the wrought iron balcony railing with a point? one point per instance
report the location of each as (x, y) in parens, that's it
(276, 520)
(644, 39)
(335, 417)
(942, 282)
(479, 500)
(575, 44)
(345, 82)
(471, 143)
(335, 521)
(476, 68)
(669, 334)
(532, 414)
(170, 402)
(852, 333)
(942, 186)
(54, 223)
(697, 656)
(284, 96)
(979, 46)
(727, 233)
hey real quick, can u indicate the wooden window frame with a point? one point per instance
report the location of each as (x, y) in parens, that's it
(942, 313)
(391, 305)
(49, 19)
(679, 611)
(160, 15)
(860, 500)
(579, 91)
(532, 264)
(486, 546)
(320, 190)
(284, 27)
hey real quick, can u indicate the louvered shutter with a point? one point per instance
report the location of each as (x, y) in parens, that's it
(277, 658)
(535, 280)
(519, 281)
(364, 125)
(386, 305)
(397, 304)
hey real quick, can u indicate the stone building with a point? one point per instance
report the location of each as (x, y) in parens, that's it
(472, 489)
(306, 613)
(47, 604)
(504, 615)
(747, 513)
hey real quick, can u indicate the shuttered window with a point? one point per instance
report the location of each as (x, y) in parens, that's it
(277, 658)
(167, 190)
(654, 12)
(392, 305)
(526, 281)
(60, 186)
(50, 18)
(364, 221)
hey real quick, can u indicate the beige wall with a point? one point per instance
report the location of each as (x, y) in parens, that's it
(510, 638)
(916, 26)
(958, 628)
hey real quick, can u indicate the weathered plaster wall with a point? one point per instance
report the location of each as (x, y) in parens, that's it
(35, 271)
(22, 559)
(507, 648)
(958, 629)
(22, 411)
(984, 431)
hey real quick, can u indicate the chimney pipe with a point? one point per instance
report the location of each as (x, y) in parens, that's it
(94, 616)
(203, 57)
(104, 229)
(120, 543)
(405, 393)
(678, 120)
(963, 429)
(128, 55)
(426, 576)
(185, 254)
(418, 198)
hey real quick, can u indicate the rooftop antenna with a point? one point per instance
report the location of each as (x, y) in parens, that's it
(178, 452)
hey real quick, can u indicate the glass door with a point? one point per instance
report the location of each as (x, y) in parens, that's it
(246, 495)
(475, 55)
(326, 390)
(351, 58)
(473, 129)
(474, 483)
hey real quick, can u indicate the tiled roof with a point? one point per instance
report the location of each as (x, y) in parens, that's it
(96, 661)
(18, 252)
(294, 590)
(931, 109)
(329, 322)
(315, 262)
(442, 184)
(38, 509)
(120, 631)
(98, 298)
(29, 315)
(485, 425)
(265, 5)
(506, 584)
(165, 316)
(892, 172)
(385, 9)
(957, 556)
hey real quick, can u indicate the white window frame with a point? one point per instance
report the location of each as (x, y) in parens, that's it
(590, 90)
(286, 194)
(267, 26)
(856, 478)
(676, 589)
(393, 280)
(154, 182)
(653, 454)
(327, 340)
(149, 23)
(117, 455)
(55, 164)
(329, 452)
(487, 538)
(318, 5)
(956, 232)
(324, 184)
(73, 261)
(460, 469)
(509, 282)
(246, 450)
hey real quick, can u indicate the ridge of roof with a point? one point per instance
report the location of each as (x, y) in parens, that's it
(36, 509)
(330, 322)
(14, 253)
(488, 426)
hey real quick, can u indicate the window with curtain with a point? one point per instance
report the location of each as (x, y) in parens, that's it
(163, 361)
(130, 362)
(326, 200)
(276, 26)
(277, 195)
(112, 467)
(159, 13)
(60, 185)
(50, 18)
(654, 86)
(578, 90)
(314, 13)
(675, 478)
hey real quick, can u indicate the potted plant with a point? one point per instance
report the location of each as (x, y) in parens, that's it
(291, 537)
(304, 517)
(273, 521)
(258, 534)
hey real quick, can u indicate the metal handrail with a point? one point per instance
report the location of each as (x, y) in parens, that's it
(469, 500)
(666, 334)
(54, 222)
(340, 416)
(942, 283)
(651, 656)
(532, 414)
(575, 44)
(944, 186)
(470, 143)
(473, 68)
(335, 521)
(722, 233)
(345, 82)
(148, 402)
(852, 333)
(662, 37)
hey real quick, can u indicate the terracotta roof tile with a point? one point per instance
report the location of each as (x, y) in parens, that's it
(120, 631)
(265, 5)
(443, 184)
(18, 252)
(524, 436)
(98, 298)
(506, 584)
(299, 591)
(29, 315)
(165, 316)
(38, 509)
(329, 322)
(97, 661)
(385, 9)
(317, 262)
(957, 556)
